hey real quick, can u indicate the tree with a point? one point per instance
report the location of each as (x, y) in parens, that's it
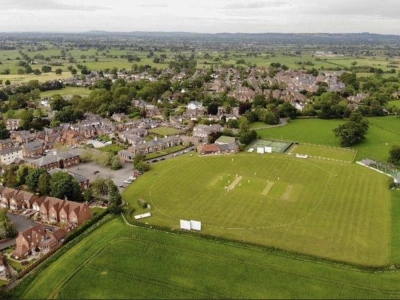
(44, 184)
(58, 71)
(22, 172)
(244, 125)
(7, 228)
(353, 131)
(212, 109)
(394, 155)
(32, 179)
(106, 190)
(63, 185)
(10, 176)
(116, 163)
(46, 69)
(7, 82)
(142, 166)
(4, 132)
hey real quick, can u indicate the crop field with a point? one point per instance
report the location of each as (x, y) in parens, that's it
(164, 131)
(325, 152)
(129, 262)
(382, 134)
(14, 78)
(329, 209)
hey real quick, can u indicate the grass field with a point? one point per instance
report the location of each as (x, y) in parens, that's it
(382, 134)
(163, 131)
(26, 77)
(68, 91)
(324, 152)
(130, 262)
(114, 149)
(281, 201)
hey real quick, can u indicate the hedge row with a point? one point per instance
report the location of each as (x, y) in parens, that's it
(271, 249)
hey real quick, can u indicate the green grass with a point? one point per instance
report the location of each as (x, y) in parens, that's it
(111, 148)
(14, 78)
(308, 209)
(3, 282)
(163, 131)
(68, 91)
(324, 152)
(16, 265)
(130, 262)
(96, 211)
(382, 134)
(165, 152)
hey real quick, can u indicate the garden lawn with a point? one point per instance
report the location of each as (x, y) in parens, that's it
(128, 262)
(165, 152)
(276, 200)
(114, 149)
(163, 131)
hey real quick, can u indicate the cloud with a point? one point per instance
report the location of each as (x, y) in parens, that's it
(36, 5)
(153, 5)
(254, 5)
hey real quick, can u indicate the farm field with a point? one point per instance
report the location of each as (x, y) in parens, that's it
(275, 200)
(164, 131)
(130, 262)
(68, 91)
(14, 78)
(382, 134)
(324, 152)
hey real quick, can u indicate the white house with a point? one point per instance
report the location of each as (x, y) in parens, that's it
(195, 105)
(8, 156)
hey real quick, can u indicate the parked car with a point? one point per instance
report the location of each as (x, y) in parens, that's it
(95, 172)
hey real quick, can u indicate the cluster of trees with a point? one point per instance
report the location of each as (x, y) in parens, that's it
(139, 163)
(353, 131)
(104, 189)
(105, 159)
(60, 185)
(7, 228)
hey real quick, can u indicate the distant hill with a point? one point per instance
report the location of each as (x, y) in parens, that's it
(285, 38)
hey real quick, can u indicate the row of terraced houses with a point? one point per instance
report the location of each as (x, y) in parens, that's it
(49, 209)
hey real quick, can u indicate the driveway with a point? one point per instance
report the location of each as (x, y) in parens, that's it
(21, 223)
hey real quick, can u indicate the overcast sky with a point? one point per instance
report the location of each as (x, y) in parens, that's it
(209, 16)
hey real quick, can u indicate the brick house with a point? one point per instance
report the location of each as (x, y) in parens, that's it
(33, 149)
(13, 124)
(37, 238)
(59, 160)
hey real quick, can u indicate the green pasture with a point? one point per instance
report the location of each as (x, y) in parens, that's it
(324, 152)
(332, 210)
(163, 131)
(382, 134)
(129, 262)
